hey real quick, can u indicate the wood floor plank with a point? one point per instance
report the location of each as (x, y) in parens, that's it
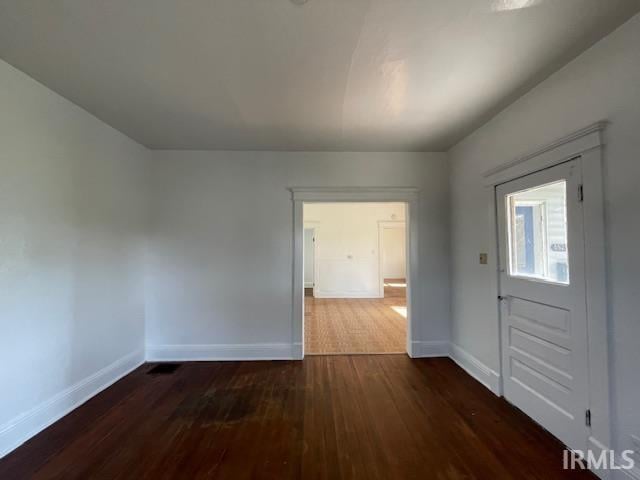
(357, 325)
(327, 417)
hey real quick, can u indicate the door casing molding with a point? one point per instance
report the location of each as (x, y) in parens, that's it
(406, 195)
(587, 145)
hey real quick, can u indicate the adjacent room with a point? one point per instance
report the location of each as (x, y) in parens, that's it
(319, 239)
(355, 278)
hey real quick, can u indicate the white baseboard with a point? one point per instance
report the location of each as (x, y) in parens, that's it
(633, 474)
(371, 294)
(251, 351)
(474, 367)
(394, 276)
(597, 447)
(21, 428)
(297, 351)
(429, 349)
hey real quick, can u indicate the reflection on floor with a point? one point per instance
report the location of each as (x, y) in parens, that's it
(357, 325)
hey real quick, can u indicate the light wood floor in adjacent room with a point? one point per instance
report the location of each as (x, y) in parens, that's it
(357, 325)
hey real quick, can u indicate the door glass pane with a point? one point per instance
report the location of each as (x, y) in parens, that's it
(537, 227)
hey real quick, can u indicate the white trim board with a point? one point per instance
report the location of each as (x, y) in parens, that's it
(556, 152)
(21, 428)
(343, 294)
(430, 349)
(222, 352)
(633, 474)
(474, 367)
(261, 351)
(354, 194)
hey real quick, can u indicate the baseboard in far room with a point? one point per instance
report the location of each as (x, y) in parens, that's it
(221, 352)
(371, 294)
(21, 428)
(474, 367)
(429, 349)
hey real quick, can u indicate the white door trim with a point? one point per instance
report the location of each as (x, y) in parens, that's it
(382, 224)
(586, 144)
(556, 152)
(300, 195)
(315, 226)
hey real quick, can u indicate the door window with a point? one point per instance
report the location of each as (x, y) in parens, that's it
(537, 228)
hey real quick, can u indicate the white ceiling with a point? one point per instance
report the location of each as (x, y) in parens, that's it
(286, 75)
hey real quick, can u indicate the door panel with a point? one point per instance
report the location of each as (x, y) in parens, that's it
(544, 385)
(548, 355)
(543, 307)
(551, 318)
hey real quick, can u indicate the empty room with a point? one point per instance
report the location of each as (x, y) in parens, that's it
(355, 278)
(319, 239)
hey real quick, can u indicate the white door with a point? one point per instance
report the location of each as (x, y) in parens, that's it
(393, 248)
(543, 304)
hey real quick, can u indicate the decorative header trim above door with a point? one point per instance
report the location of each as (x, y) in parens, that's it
(354, 194)
(559, 151)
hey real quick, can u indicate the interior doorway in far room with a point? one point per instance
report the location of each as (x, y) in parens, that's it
(309, 260)
(393, 266)
(355, 278)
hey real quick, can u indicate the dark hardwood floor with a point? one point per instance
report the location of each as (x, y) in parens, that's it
(328, 417)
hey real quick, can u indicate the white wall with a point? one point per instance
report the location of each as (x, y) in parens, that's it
(348, 259)
(602, 83)
(221, 240)
(72, 214)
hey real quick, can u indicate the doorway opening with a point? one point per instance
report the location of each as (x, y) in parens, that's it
(355, 278)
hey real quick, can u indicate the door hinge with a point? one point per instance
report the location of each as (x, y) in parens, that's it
(587, 418)
(580, 193)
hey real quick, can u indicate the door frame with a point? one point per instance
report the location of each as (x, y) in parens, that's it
(409, 196)
(587, 145)
(382, 224)
(315, 226)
